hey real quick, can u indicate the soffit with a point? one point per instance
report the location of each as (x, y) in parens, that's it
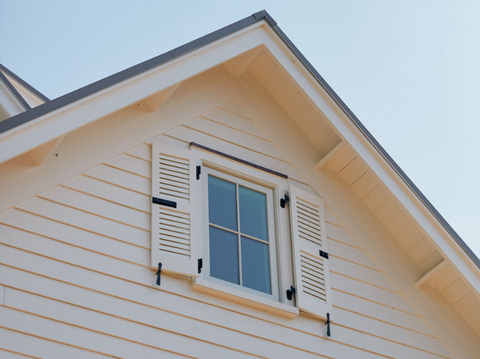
(364, 182)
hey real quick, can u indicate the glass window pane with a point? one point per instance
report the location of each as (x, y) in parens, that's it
(253, 213)
(222, 203)
(224, 255)
(256, 265)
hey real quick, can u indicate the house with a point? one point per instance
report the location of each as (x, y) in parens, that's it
(219, 201)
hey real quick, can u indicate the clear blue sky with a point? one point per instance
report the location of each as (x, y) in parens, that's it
(408, 69)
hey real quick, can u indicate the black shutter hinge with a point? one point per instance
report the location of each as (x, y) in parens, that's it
(200, 265)
(159, 272)
(290, 292)
(199, 172)
(164, 202)
(284, 200)
(323, 254)
(327, 323)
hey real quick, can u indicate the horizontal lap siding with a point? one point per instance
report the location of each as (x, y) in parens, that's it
(75, 260)
(39, 345)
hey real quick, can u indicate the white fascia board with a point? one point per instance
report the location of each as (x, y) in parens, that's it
(86, 110)
(349, 132)
(32, 99)
(9, 102)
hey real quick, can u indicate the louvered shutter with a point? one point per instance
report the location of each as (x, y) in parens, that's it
(311, 270)
(175, 231)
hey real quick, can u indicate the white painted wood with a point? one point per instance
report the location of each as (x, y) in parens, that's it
(236, 108)
(102, 143)
(248, 299)
(71, 235)
(230, 135)
(32, 99)
(128, 92)
(175, 232)
(142, 151)
(121, 178)
(341, 234)
(312, 277)
(370, 292)
(449, 248)
(240, 62)
(353, 215)
(360, 273)
(98, 207)
(236, 122)
(380, 312)
(109, 192)
(129, 309)
(353, 171)
(324, 161)
(131, 164)
(91, 341)
(11, 355)
(365, 184)
(233, 149)
(355, 255)
(468, 305)
(394, 350)
(86, 261)
(426, 277)
(87, 221)
(155, 101)
(41, 153)
(9, 102)
(387, 331)
(141, 293)
(39, 347)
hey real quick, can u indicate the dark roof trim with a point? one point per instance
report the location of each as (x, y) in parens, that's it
(372, 139)
(205, 40)
(24, 84)
(111, 80)
(14, 92)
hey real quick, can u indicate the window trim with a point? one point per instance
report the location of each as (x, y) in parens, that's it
(284, 275)
(286, 310)
(271, 220)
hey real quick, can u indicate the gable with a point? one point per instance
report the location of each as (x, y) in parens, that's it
(97, 219)
(98, 222)
(91, 174)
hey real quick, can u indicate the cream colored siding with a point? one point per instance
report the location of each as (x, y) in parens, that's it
(75, 262)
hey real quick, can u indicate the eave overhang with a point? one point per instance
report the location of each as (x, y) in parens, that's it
(26, 120)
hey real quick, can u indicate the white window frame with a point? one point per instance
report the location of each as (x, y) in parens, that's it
(283, 276)
(272, 237)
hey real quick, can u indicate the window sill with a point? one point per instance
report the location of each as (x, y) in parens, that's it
(251, 300)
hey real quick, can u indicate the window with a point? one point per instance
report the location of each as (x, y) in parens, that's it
(208, 208)
(240, 246)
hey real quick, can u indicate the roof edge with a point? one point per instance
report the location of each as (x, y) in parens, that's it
(123, 75)
(263, 15)
(373, 141)
(14, 92)
(24, 84)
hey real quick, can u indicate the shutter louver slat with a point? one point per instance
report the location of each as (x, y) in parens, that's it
(173, 228)
(176, 184)
(308, 238)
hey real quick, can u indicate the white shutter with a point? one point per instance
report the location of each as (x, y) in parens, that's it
(175, 231)
(311, 270)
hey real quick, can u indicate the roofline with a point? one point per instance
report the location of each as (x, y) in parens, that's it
(118, 77)
(123, 75)
(24, 84)
(372, 139)
(14, 92)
